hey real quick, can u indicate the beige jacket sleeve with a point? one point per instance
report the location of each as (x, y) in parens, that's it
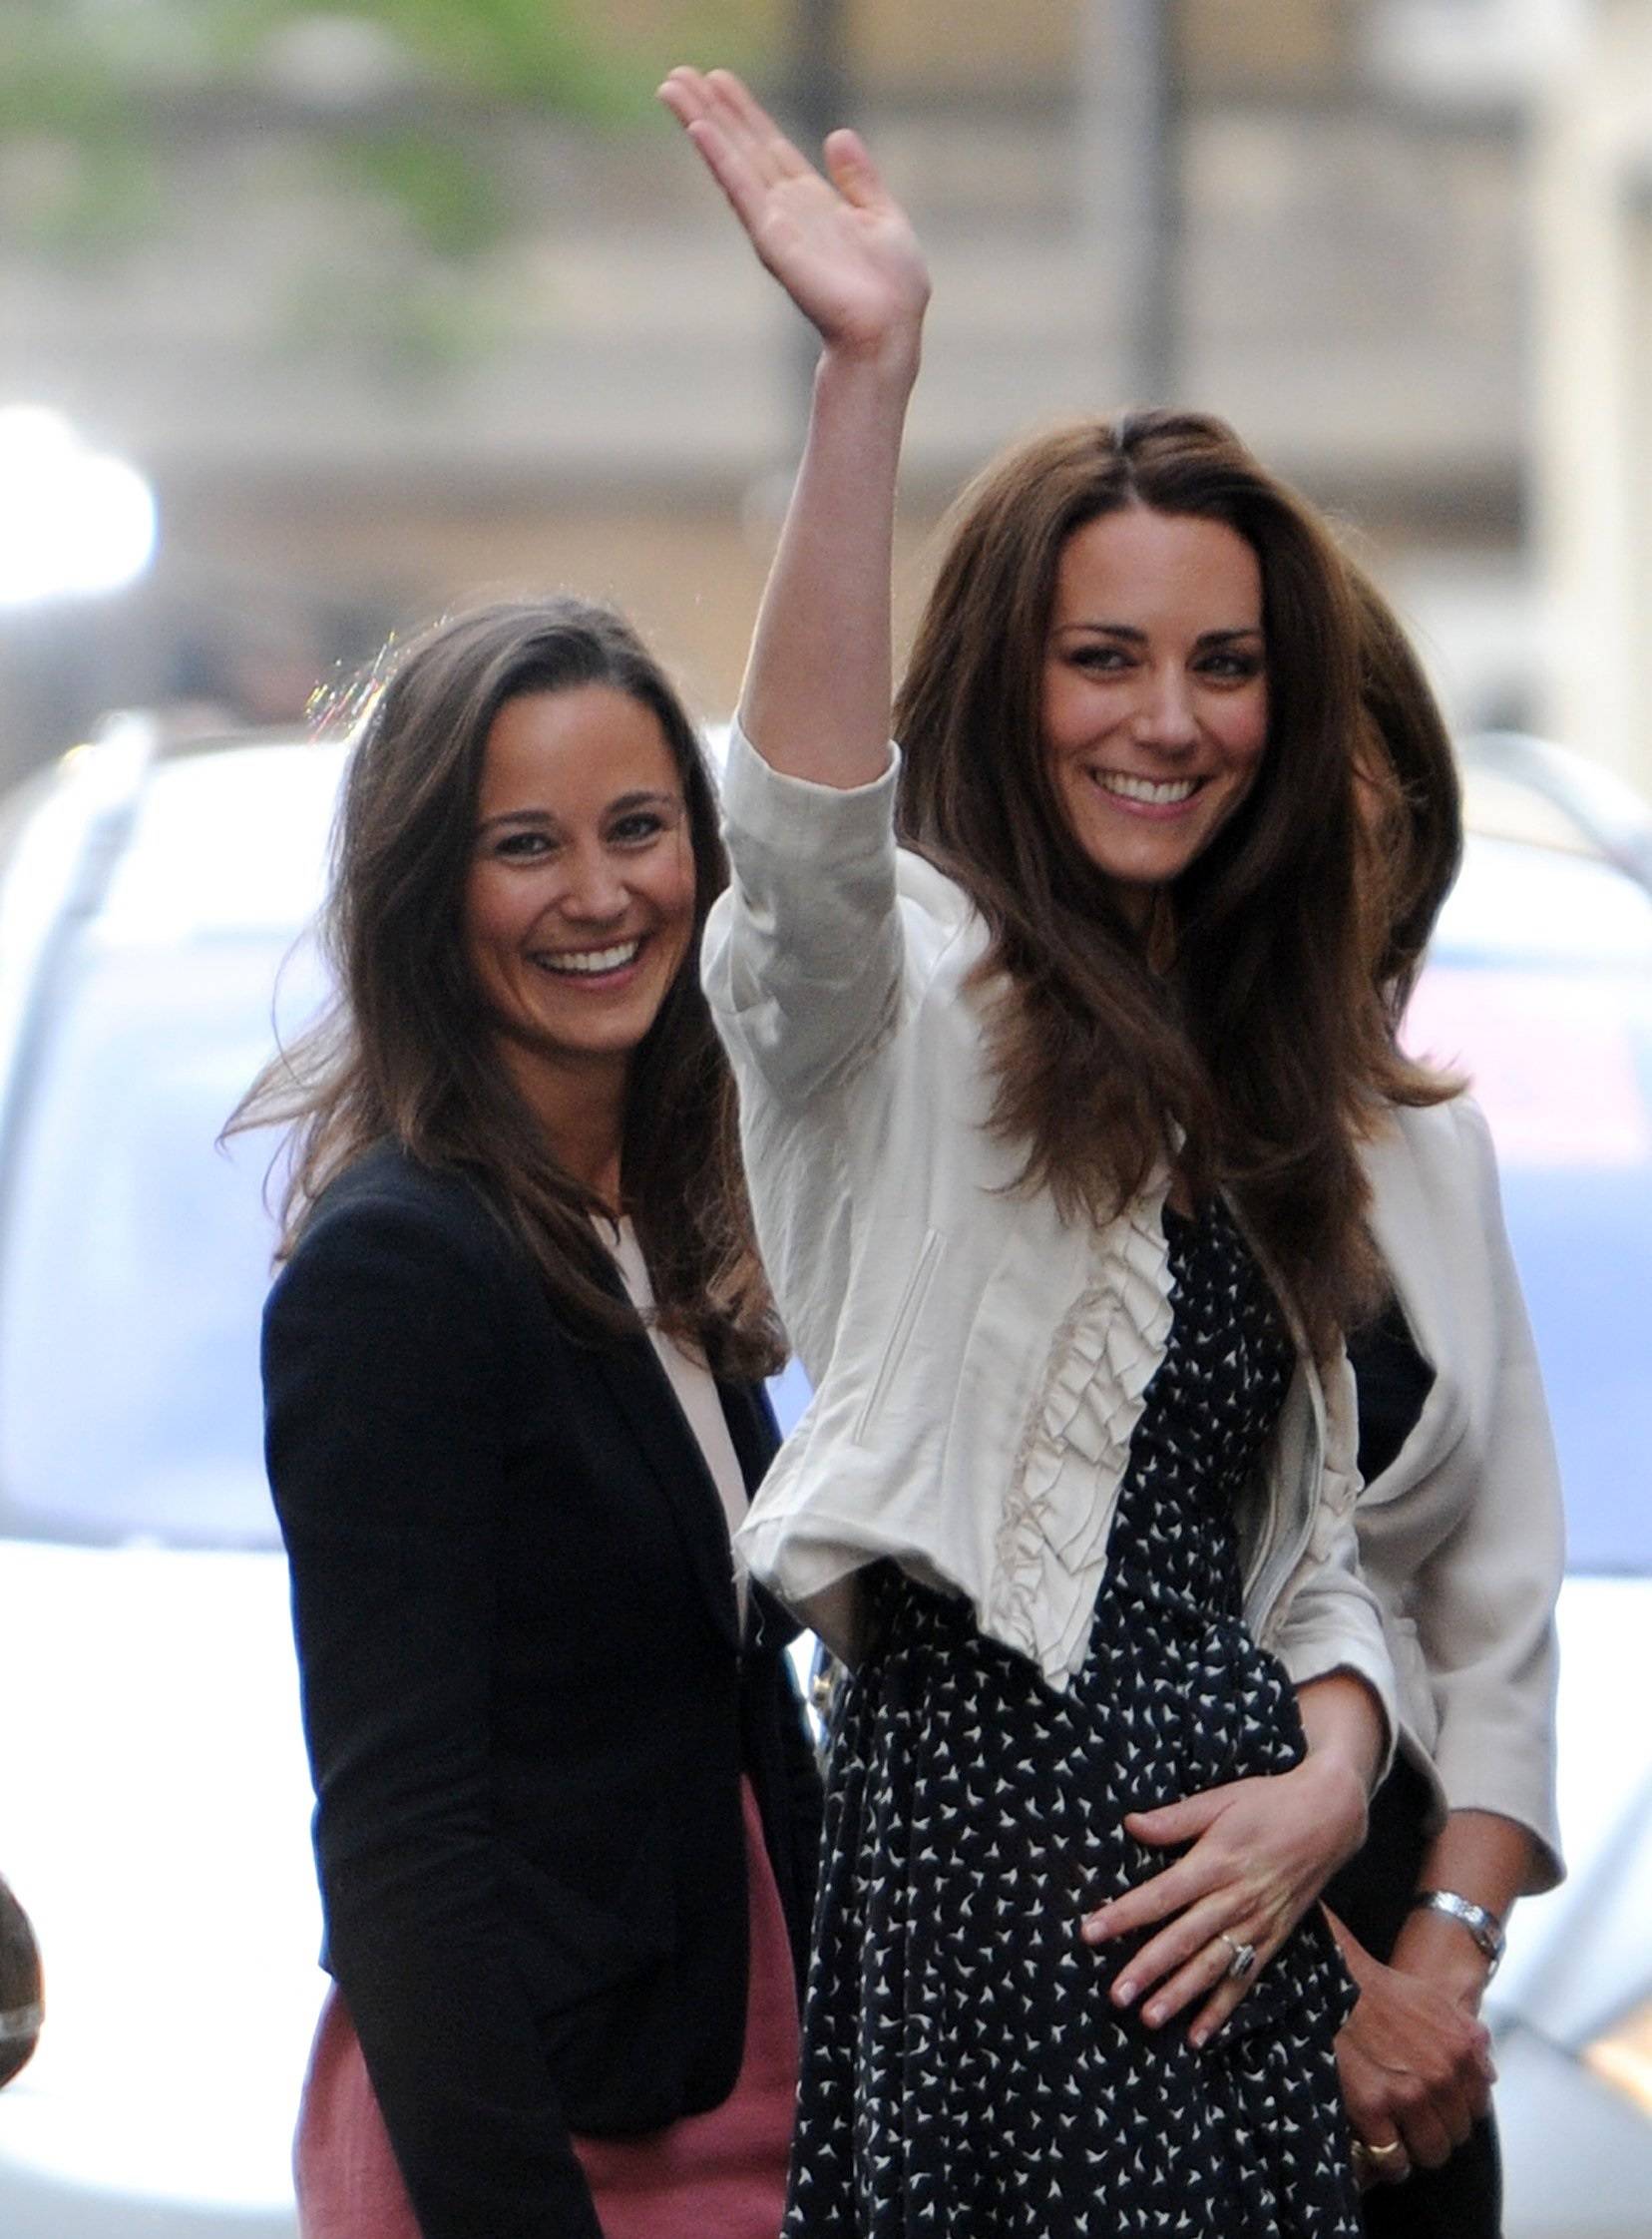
(1463, 1536)
(803, 955)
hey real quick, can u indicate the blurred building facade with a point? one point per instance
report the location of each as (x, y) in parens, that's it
(1592, 293)
(348, 431)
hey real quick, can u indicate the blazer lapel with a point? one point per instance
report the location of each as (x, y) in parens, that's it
(1406, 1235)
(1412, 1237)
(751, 1428)
(644, 1399)
(756, 1440)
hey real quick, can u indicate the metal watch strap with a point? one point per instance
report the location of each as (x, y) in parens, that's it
(1485, 1926)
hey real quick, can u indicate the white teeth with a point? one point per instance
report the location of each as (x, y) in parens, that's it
(592, 960)
(1144, 789)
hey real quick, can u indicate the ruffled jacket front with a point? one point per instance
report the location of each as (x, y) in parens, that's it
(978, 1363)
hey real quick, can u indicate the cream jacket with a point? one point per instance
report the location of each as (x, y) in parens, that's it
(1461, 1536)
(978, 1364)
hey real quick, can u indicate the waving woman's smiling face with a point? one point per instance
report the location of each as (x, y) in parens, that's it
(1155, 691)
(579, 904)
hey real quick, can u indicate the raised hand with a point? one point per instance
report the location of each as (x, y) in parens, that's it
(815, 704)
(839, 244)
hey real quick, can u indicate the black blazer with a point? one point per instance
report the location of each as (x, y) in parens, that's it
(527, 1702)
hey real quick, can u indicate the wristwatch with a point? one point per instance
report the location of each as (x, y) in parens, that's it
(1483, 1926)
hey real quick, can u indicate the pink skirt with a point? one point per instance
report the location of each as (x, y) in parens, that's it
(723, 2171)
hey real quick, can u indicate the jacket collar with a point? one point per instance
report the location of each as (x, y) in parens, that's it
(644, 1400)
(1416, 1244)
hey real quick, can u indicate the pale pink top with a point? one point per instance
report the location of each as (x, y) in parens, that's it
(725, 2171)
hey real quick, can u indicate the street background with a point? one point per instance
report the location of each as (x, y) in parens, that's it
(403, 303)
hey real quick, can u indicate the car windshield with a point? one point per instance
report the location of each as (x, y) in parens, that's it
(135, 1255)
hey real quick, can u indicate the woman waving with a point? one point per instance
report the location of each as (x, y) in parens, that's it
(566, 1810)
(1051, 1117)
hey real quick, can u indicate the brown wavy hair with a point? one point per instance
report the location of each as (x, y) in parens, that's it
(1241, 1037)
(405, 1054)
(1412, 824)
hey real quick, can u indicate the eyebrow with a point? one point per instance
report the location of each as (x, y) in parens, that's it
(1136, 637)
(621, 806)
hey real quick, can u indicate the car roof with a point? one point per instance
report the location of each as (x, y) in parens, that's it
(1518, 901)
(231, 841)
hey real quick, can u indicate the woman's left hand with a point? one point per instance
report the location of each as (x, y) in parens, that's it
(1262, 1850)
(837, 241)
(1416, 2068)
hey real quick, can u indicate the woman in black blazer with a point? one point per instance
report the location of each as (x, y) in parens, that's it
(562, 1783)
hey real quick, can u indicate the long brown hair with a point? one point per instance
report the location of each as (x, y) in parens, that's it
(1412, 823)
(1255, 1057)
(405, 1054)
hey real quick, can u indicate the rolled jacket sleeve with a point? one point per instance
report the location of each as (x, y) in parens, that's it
(802, 957)
(1483, 1599)
(1333, 1625)
(1328, 1618)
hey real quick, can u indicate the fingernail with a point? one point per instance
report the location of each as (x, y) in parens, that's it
(1152, 2015)
(1123, 1991)
(1199, 2037)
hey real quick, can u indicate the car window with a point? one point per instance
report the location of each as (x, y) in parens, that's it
(134, 1256)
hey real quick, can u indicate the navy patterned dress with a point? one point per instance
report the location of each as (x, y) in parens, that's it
(964, 2073)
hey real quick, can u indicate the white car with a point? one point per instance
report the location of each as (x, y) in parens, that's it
(153, 1796)
(1541, 984)
(155, 1799)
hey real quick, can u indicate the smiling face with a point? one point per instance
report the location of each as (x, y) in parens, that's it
(1155, 691)
(579, 902)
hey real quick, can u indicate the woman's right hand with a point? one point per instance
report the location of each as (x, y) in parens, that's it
(1416, 2068)
(839, 244)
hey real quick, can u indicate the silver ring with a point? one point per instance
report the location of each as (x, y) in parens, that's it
(1244, 1956)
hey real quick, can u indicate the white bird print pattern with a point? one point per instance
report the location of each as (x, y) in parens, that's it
(965, 2075)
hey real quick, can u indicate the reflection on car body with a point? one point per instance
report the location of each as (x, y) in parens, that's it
(1540, 987)
(156, 1793)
